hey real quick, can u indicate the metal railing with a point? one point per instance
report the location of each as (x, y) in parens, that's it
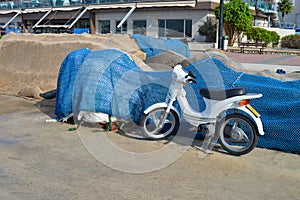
(267, 6)
(23, 4)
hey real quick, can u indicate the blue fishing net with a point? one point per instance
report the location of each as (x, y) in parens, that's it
(109, 81)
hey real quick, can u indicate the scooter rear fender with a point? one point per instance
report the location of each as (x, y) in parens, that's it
(160, 105)
(256, 119)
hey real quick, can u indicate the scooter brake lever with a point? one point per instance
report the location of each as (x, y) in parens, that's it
(191, 74)
(192, 80)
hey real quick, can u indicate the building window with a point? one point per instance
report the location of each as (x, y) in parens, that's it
(188, 28)
(83, 24)
(123, 28)
(104, 27)
(139, 27)
(175, 28)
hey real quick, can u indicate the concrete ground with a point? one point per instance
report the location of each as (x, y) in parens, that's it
(40, 160)
(271, 59)
(271, 62)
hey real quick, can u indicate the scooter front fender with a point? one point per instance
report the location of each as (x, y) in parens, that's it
(256, 119)
(160, 105)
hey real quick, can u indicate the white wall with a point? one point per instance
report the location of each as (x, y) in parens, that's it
(152, 17)
(298, 20)
(281, 32)
(5, 19)
(292, 17)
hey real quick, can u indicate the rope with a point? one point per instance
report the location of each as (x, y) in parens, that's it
(120, 130)
(238, 78)
(109, 125)
(50, 18)
(75, 128)
(67, 23)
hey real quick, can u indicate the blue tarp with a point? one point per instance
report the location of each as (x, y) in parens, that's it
(109, 81)
(153, 46)
(13, 30)
(81, 30)
(65, 81)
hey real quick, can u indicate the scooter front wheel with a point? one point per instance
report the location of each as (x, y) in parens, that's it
(153, 127)
(238, 134)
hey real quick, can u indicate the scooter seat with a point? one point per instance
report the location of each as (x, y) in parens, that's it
(217, 94)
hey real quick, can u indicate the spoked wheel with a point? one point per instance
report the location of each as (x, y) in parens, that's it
(150, 123)
(237, 134)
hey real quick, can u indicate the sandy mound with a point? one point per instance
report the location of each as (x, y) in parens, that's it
(164, 61)
(30, 62)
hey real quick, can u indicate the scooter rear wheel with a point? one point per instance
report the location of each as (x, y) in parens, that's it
(151, 121)
(238, 134)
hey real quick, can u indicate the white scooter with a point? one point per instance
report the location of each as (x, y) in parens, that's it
(236, 131)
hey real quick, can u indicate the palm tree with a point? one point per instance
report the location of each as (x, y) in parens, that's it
(285, 7)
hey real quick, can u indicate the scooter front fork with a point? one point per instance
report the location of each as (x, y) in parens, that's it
(163, 118)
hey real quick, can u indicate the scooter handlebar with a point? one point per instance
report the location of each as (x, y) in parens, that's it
(182, 76)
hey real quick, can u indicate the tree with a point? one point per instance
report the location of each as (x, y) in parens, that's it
(285, 7)
(237, 17)
(209, 29)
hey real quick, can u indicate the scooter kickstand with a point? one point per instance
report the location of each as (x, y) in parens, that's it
(209, 131)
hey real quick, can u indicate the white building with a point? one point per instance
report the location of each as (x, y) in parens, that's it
(166, 19)
(294, 17)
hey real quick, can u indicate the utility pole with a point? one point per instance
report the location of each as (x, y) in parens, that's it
(256, 10)
(220, 45)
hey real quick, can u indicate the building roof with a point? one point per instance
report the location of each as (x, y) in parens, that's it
(145, 4)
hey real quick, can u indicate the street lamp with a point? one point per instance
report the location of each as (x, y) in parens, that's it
(220, 44)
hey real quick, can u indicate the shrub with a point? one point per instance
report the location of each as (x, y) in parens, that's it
(262, 35)
(291, 41)
(208, 29)
(274, 38)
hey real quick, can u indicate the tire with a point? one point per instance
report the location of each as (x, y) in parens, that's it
(149, 125)
(238, 134)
